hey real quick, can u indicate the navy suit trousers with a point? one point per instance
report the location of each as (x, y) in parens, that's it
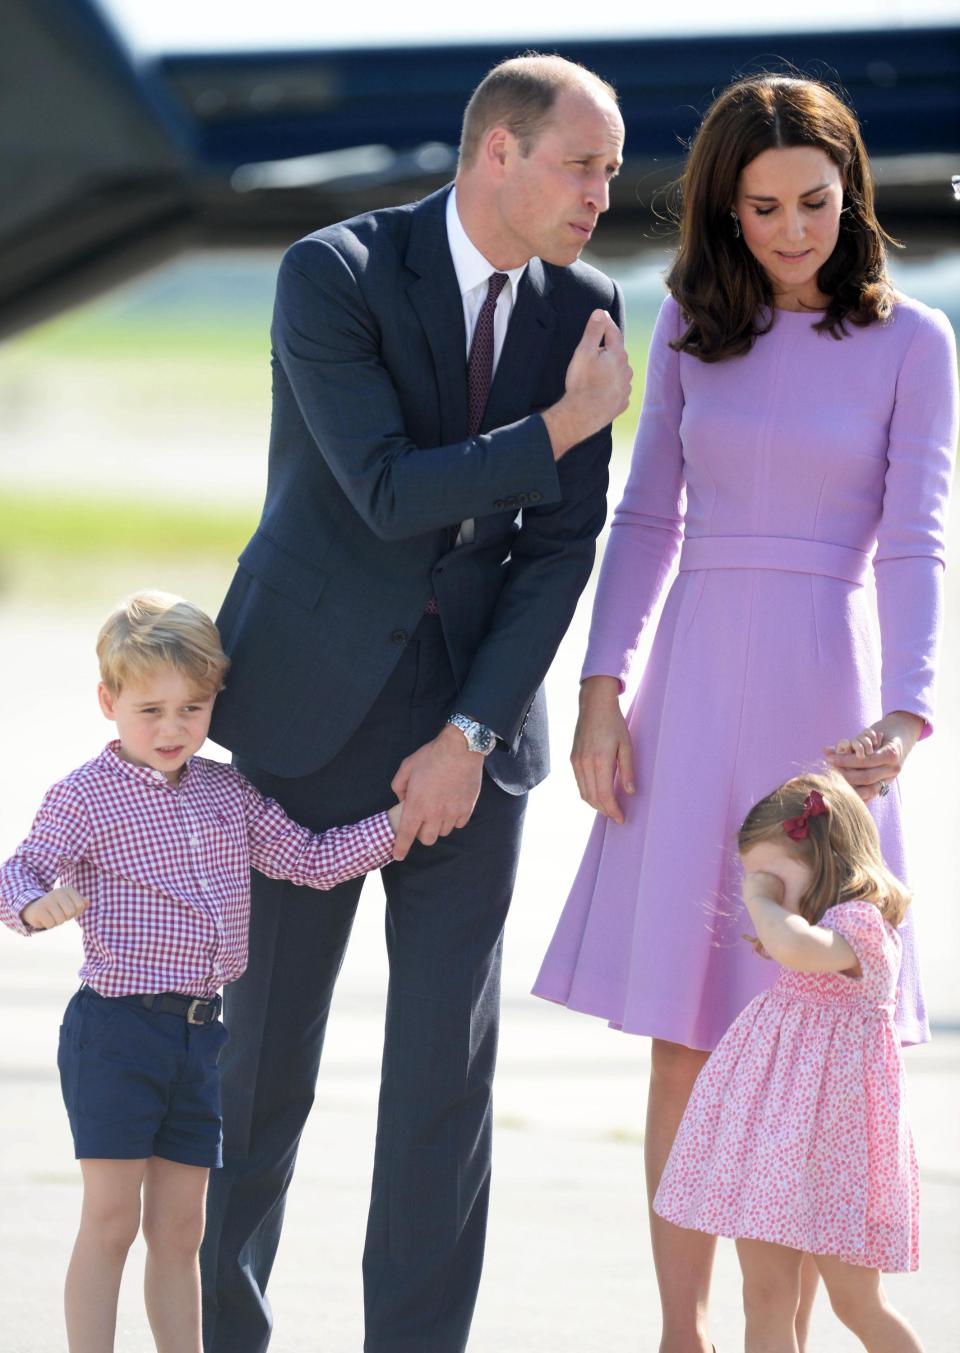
(445, 910)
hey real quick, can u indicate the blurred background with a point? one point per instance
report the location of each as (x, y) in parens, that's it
(154, 162)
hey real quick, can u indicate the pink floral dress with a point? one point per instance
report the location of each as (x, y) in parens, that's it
(796, 1132)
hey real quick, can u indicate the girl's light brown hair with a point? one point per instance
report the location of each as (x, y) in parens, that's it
(842, 847)
(718, 284)
(151, 630)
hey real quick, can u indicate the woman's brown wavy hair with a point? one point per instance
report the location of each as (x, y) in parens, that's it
(842, 847)
(718, 284)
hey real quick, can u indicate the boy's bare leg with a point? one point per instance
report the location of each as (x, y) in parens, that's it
(109, 1222)
(771, 1295)
(174, 1197)
(809, 1282)
(859, 1301)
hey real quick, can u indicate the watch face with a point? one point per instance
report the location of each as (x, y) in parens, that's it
(485, 739)
(479, 737)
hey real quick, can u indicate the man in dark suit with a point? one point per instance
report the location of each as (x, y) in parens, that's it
(429, 524)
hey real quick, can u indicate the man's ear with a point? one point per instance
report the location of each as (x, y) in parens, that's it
(497, 145)
(105, 697)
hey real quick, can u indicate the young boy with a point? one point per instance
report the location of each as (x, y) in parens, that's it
(153, 846)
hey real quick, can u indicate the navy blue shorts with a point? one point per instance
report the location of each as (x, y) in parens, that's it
(138, 1084)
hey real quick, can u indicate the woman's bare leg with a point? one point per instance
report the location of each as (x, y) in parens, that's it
(683, 1259)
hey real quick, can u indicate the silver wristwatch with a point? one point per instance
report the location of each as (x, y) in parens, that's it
(479, 737)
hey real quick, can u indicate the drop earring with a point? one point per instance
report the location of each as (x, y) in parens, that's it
(736, 224)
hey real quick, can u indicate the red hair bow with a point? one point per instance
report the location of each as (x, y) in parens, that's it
(814, 805)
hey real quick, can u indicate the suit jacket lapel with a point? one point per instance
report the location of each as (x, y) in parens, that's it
(517, 377)
(435, 296)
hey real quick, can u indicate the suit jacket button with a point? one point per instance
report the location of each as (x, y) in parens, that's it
(498, 502)
(535, 496)
(512, 502)
(522, 498)
(398, 637)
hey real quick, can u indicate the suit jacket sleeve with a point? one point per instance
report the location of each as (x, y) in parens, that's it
(327, 341)
(550, 564)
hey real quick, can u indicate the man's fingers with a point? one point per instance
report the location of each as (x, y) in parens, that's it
(600, 329)
(612, 337)
(410, 825)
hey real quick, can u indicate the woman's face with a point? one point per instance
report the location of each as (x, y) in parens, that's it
(789, 201)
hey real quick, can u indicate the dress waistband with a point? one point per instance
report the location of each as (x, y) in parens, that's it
(787, 553)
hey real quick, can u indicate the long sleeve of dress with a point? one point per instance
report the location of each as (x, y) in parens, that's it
(647, 526)
(910, 541)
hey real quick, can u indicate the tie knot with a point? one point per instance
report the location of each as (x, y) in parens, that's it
(498, 280)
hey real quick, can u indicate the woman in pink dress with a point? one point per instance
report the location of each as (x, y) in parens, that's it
(798, 434)
(795, 1138)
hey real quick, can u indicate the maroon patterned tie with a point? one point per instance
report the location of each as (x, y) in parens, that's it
(480, 365)
(479, 371)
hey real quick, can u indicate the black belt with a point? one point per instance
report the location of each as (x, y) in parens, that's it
(191, 1008)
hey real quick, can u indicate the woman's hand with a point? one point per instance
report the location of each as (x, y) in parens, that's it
(876, 755)
(601, 746)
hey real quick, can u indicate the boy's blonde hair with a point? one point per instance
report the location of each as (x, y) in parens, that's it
(155, 629)
(841, 846)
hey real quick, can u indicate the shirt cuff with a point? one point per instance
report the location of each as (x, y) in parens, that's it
(13, 915)
(379, 837)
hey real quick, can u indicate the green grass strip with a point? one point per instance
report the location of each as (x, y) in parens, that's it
(74, 527)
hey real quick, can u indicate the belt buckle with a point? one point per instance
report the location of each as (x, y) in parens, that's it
(192, 1010)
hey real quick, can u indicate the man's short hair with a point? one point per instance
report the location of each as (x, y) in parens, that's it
(151, 630)
(519, 94)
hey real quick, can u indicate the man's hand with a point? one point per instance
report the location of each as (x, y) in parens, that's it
(597, 386)
(438, 785)
(601, 745)
(62, 904)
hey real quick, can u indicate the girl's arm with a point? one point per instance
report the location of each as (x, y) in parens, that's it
(789, 939)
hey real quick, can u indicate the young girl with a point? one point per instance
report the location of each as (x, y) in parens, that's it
(795, 1140)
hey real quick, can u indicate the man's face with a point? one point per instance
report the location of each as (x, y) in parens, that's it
(550, 200)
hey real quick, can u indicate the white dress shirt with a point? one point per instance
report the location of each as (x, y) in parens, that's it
(473, 273)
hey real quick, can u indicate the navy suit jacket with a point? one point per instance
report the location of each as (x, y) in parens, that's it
(371, 471)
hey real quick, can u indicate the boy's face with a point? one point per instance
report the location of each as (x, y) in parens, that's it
(161, 721)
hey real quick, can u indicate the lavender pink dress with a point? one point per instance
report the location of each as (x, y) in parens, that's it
(775, 475)
(795, 1132)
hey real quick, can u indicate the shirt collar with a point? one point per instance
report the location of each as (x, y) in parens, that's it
(117, 765)
(469, 264)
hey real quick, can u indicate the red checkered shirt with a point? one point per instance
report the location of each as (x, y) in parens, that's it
(166, 868)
